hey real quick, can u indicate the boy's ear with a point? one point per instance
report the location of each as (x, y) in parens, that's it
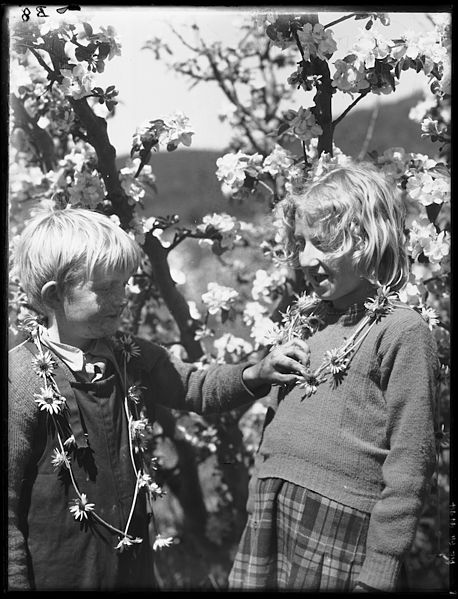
(50, 294)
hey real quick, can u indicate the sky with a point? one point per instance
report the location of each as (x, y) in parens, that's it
(149, 90)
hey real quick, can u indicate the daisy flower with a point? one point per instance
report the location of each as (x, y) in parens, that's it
(335, 362)
(134, 393)
(81, 507)
(48, 400)
(128, 347)
(60, 458)
(29, 325)
(381, 303)
(70, 442)
(305, 302)
(127, 542)
(430, 316)
(160, 542)
(43, 364)
(310, 384)
(144, 480)
(156, 490)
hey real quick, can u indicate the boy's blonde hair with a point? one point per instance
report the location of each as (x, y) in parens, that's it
(352, 207)
(66, 246)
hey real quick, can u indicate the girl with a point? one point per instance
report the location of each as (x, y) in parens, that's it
(345, 462)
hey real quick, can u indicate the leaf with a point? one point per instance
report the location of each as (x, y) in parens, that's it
(104, 50)
(81, 53)
(440, 170)
(369, 24)
(109, 89)
(283, 127)
(97, 90)
(88, 29)
(100, 66)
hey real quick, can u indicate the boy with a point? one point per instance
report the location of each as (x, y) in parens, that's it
(79, 492)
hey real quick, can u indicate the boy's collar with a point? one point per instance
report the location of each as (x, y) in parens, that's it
(73, 356)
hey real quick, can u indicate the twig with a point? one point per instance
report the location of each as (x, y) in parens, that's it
(347, 110)
(353, 14)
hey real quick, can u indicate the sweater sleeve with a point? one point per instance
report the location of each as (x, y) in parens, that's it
(183, 386)
(22, 423)
(409, 369)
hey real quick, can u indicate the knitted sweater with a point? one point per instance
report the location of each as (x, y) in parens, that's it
(41, 529)
(369, 442)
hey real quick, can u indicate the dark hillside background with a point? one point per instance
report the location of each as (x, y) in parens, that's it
(187, 184)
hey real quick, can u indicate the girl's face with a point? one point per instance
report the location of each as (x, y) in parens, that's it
(93, 309)
(333, 280)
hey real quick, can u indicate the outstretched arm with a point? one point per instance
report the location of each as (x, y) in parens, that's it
(224, 387)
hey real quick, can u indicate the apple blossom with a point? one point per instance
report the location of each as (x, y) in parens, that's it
(219, 297)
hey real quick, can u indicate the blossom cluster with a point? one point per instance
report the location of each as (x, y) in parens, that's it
(427, 188)
(302, 124)
(233, 169)
(231, 348)
(268, 286)
(169, 131)
(219, 297)
(226, 227)
(315, 40)
(76, 82)
(87, 190)
(424, 239)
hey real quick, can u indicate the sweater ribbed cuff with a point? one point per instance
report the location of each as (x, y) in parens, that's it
(380, 571)
(258, 392)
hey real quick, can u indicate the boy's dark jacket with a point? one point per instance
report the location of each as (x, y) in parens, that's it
(47, 547)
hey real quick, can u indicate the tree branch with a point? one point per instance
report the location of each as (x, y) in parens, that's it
(347, 110)
(39, 137)
(175, 302)
(353, 14)
(96, 128)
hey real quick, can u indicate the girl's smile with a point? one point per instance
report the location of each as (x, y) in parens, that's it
(334, 279)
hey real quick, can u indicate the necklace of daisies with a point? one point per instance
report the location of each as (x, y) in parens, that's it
(304, 317)
(51, 401)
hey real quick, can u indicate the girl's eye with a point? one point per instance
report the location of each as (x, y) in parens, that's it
(317, 242)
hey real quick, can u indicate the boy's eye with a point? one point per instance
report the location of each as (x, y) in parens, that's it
(299, 243)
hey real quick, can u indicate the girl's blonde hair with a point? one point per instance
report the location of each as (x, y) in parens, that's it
(66, 246)
(352, 208)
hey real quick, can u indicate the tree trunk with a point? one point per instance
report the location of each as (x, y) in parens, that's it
(97, 136)
(323, 106)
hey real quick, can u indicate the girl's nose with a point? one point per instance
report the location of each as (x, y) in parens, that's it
(309, 257)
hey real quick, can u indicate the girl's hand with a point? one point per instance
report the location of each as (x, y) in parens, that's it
(282, 365)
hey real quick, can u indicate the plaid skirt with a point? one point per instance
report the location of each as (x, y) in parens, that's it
(296, 539)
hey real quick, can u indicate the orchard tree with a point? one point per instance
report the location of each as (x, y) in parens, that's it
(61, 156)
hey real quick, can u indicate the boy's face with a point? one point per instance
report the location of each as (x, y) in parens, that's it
(93, 309)
(336, 281)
